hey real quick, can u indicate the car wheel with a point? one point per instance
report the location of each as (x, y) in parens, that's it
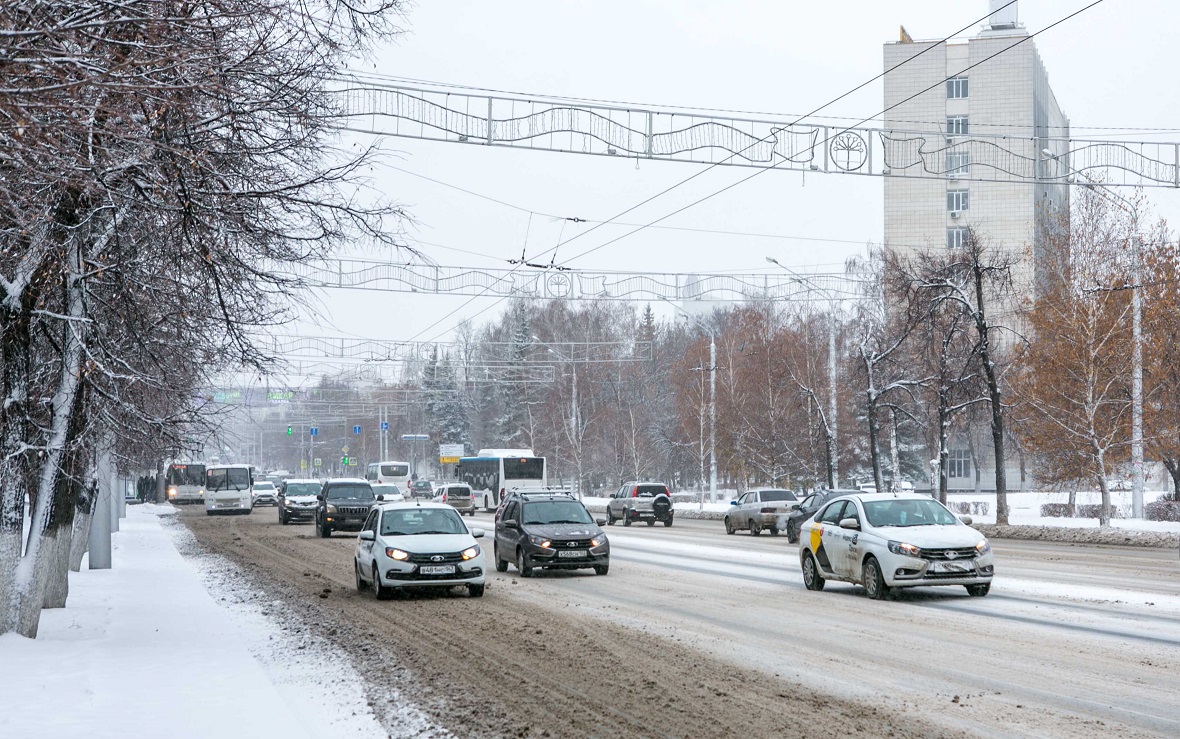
(729, 529)
(978, 591)
(792, 533)
(610, 517)
(651, 522)
(812, 580)
(773, 530)
(475, 591)
(626, 518)
(501, 564)
(522, 564)
(668, 522)
(208, 513)
(380, 591)
(755, 528)
(874, 581)
(601, 569)
(282, 519)
(360, 581)
(326, 532)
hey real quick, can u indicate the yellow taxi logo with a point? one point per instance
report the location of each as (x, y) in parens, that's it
(817, 533)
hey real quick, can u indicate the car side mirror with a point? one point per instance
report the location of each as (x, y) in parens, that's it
(510, 523)
(319, 497)
(477, 533)
(733, 502)
(849, 523)
(380, 498)
(365, 536)
(966, 519)
(793, 507)
(600, 521)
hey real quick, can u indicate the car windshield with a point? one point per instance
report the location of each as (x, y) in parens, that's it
(264, 487)
(355, 491)
(906, 512)
(303, 488)
(411, 521)
(541, 512)
(770, 495)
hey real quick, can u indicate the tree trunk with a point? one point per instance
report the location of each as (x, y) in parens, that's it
(874, 451)
(944, 454)
(974, 458)
(894, 454)
(1173, 466)
(81, 537)
(983, 331)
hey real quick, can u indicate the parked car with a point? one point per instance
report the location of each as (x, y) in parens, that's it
(421, 489)
(641, 501)
(549, 531)
(265, 493)
(457, 495)
(790, 522)
(759, 509)
(297, 500)
(886, 541)
(344, 504)
(414, 545)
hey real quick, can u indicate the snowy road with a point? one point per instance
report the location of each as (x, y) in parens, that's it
(1073, 641)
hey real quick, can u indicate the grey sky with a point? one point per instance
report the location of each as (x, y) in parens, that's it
(1110, 69)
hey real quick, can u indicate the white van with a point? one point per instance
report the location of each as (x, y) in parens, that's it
(228, 489)
(389, 473)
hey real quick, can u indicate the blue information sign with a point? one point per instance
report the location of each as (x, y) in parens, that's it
(356, 429)
(314, 431)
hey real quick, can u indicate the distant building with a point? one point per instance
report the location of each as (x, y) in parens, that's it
(1005, 96)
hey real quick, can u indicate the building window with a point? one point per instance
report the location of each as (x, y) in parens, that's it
(956, 125)
(959, 463)
(956, 88)
(956, 236)
(956, 200)
(956, 164)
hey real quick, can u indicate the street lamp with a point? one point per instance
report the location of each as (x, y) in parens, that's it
(712, 402)
(574, 421)
(1136, 335)
(834, 469)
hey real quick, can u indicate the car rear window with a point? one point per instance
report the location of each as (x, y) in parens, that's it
(650, 491)
(770, 495)
(459, 490)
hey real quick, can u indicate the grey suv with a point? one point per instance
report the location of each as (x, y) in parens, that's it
(344, 505)
(641, 501)
(457, 495)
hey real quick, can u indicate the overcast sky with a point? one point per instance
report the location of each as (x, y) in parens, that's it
(1112, 68)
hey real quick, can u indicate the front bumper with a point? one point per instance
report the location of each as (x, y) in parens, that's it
(338, 522)
(409, 575)
(551, 558)
(299, 512)
(905, 572)
(266, 500)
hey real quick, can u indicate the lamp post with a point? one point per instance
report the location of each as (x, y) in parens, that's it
(712, 402)
(834, 468)
(574, 419)
(1131, 208)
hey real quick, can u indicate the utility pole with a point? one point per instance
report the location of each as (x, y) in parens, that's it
(712, 403)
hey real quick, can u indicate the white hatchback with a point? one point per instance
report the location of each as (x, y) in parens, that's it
(415, 545)
(885, 541)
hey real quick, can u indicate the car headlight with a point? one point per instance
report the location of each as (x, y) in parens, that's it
(471, 552)
(983, 547)
(908, 550)
(172, 491)
(541, 541)
(397, 554)
(331, 509)
(598, 541)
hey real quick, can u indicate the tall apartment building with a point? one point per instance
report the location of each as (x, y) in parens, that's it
(1008, 95)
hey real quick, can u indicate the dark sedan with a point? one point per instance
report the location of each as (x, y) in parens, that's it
(807, 508)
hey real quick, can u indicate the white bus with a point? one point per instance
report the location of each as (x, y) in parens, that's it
(185, 482)
(389, 473)
(493, 472)
(228, 489)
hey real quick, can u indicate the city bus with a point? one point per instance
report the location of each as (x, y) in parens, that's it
(493, 472)
(229, 488)
(185, 482)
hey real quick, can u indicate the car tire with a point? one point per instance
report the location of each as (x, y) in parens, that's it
(755, 528)
(501, 564)
(773, 530)
(360, 581)
(668, 522)
(208, 513)
(874, 581)
(978, 591)
(729, 529)
(282, 519)
(626, 518)
(522, 564)
(380, 591)
(812, 580)
(651, 522)
(610, 517)
(792, 532)
(601, 569)
(475, 591)
(324, 531)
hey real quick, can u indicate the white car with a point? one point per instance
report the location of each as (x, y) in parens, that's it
(415, 545)
(886, 541)
(265, 493)
(389, 493)
(760, 509)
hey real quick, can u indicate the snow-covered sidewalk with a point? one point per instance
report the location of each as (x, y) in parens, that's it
(143, 650)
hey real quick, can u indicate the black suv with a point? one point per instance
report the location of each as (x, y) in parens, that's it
(807, 509)
(549, 531)
(343, 506)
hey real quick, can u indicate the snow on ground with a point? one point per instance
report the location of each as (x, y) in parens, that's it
(144, 650)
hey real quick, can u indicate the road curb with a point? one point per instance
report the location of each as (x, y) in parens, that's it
(1072, 535)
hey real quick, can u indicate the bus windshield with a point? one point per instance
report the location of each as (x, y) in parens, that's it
(186, 474)
(524, 468)
(228, 478)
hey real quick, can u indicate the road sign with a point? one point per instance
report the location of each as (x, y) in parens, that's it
(356, 429)
(385, 425)
(318, 462)
(344, 449)
(303, 464)
(314, 431)
(415, 437)
(352, 461)
(448, 460)
(450, 450)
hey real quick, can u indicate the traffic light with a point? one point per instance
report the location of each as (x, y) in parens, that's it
(290, 430)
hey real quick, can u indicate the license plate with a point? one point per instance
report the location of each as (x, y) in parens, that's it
(571, 554)
(951, 567)
(437, 569)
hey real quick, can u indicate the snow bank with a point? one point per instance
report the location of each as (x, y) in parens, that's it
(144, 650)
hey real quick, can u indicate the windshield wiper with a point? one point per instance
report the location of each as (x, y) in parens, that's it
(567, 522)
(436, 532)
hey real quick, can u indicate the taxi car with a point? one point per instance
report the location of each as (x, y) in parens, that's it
(885, 541)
